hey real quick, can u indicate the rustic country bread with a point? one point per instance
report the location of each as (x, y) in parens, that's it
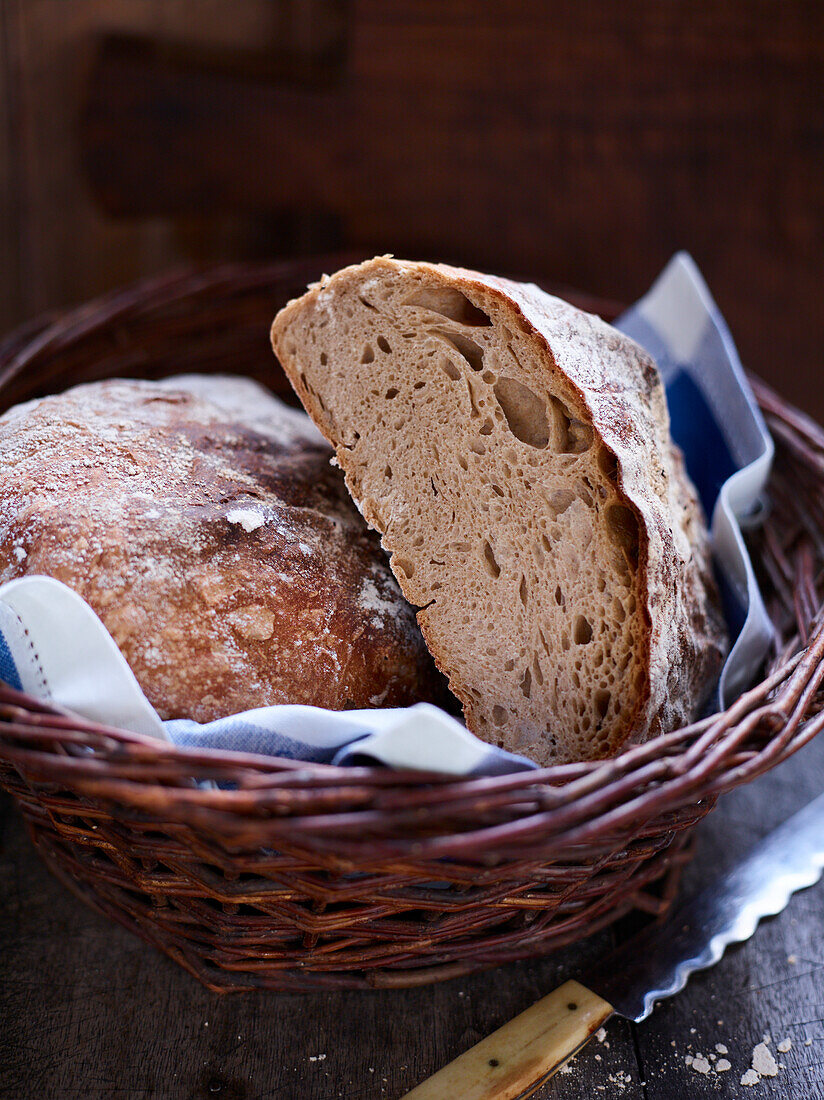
(201, 519)
(515, 455)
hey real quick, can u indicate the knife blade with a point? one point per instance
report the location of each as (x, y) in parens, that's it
(513, 1062)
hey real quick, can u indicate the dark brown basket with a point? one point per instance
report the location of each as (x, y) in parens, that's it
(306, 876)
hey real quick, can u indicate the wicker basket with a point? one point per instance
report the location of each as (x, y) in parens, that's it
(305, 876)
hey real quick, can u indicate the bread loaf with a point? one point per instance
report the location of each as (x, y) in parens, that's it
(514, 453)
(201, 520)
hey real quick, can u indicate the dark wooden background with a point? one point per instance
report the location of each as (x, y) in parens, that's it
(578, 141)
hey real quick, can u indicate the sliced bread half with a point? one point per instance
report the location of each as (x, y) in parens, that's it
(514, 454)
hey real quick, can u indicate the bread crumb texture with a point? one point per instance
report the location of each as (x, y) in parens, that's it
(514, 454)
(201, 519)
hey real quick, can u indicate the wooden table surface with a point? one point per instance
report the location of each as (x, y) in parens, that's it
(88, 1012)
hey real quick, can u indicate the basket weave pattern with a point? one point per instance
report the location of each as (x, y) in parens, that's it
(305, 876)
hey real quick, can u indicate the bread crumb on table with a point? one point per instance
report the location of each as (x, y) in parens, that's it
(763, 1062)
(701, 1065)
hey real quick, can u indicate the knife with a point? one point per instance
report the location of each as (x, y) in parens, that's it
(519, 1057)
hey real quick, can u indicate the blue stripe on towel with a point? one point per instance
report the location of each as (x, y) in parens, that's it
(8, 669)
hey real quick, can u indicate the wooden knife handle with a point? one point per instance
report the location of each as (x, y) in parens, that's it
(519, 1057)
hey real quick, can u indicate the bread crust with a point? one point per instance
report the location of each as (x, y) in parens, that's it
(202, 521)
(617, 385)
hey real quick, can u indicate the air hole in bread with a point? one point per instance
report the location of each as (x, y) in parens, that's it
(464, 465)
(449, 302)
(522, 591)
(368, 354)
(536, 668)
(471, 352)
(486, 427)
(366, 302)
(419, 385)
(491, 564)
(324, 358)
(450, 370)
(582, 631)
(387, 473)
(488, 377)
(602, 699)
(477, 447)
(622, 525)
(560, 500)
(404, 566)
(384, 344)
(608, 465)
(526, 683)
(570, 435)
(525, 411)
(393, 391)
(499, 714)
(496, 489)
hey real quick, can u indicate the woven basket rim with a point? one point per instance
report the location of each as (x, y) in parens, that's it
(553, 775)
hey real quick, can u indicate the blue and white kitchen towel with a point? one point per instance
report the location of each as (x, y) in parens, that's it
(54, 647)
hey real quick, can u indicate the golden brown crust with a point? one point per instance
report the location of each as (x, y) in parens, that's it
(203, 523)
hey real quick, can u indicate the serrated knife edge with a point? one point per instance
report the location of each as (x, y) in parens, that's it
(657, 962)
